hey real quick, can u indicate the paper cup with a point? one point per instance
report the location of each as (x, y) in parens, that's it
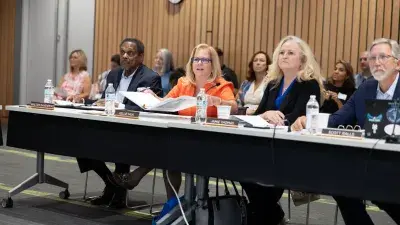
(223, 111)
(323, 119)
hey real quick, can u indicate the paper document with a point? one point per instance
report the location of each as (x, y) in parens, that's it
(147, 101)
(66, 103)
(257, 121)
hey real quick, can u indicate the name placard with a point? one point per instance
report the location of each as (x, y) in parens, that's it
(127, 114)
(42, 105)
(342, 133)
(222, 122)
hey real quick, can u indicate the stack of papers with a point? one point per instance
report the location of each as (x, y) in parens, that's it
(66, 103)
(147, 101)
(257, 121)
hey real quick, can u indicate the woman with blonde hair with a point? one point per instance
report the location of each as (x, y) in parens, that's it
(164, 65)
(76, 84)
(293, 76)
(203, 70)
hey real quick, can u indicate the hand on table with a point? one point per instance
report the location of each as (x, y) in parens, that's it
(250, 111)
(274, 116)
(299, 124)
(213, 100)
(100, 102)
(75, 99)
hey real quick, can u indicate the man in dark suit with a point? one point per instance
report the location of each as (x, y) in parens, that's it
(131, 75)
(384, 61)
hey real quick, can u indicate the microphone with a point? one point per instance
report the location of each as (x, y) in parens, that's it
(289, 129)
(393, 138)
(215, 85)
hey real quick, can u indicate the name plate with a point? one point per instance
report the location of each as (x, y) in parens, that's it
(342, 133)
(41, 105)
(127, 114)
(222, 122)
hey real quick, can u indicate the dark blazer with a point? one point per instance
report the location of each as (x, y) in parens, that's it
(144, 77)
(354, 109)
(294, 104)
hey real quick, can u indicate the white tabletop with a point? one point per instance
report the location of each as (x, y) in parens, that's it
(182, 122)
(84, 114)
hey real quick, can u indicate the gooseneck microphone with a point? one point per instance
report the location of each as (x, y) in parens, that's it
(215, 85)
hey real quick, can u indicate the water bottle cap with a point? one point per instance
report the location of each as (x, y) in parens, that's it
(202, 89)
(312, 96)
(110, 84)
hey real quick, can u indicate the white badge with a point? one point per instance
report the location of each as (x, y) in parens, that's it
(342, 96)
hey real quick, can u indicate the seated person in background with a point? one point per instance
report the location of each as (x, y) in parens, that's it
(384, 62)
(164, 65)
(227, 73)
(293, 76)
(131, 75)
(75, 85)
(175, 75)
(203, 71)
(252, 89)
(365, 73)
(100, 86)
(339, 88)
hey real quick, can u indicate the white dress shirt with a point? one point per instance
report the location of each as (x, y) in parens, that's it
(388, 95)
(123, 86)
(252, 98)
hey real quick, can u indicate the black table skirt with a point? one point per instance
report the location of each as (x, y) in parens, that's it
(319, 168)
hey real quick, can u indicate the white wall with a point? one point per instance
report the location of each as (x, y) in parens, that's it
(40, 48)
(81, 28)
(50, 30)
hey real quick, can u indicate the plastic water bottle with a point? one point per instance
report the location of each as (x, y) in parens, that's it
(48, 92)
(201, 107)
(110, 100)
(312, 115)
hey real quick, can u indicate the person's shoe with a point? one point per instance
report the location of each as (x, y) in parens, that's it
(119, 199)
(283, 222)
(123, 180)
(105, 198)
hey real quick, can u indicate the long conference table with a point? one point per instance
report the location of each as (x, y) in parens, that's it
(367, 168)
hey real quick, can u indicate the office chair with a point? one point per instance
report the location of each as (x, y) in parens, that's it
(289, 208)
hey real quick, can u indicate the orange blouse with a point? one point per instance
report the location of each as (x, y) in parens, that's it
(184, 87)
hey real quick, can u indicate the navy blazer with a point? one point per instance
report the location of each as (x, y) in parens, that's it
(144, 77)
(354, 109)
(295, 102)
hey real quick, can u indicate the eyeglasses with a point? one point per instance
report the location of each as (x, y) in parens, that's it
(201, 60)
(381, 58)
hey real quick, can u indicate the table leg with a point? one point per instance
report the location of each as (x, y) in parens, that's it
(39, 177)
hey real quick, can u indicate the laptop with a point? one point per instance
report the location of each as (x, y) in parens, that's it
(382, 118)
